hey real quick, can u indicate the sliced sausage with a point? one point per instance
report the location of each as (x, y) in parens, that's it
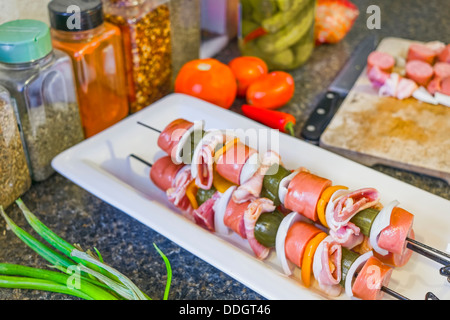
(397, 260)
(297, 239)
(168, 139)
(384, 61)
(234, 217)
(230, 164)
(304, 193)
(393, 237)
(419, 71)
(421, 52)
(445, 86)
(434, 85)
(444, 56)
(370, 279)
(163, 172)
(442, 70)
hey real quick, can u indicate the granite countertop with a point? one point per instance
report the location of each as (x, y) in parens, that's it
(127, 245)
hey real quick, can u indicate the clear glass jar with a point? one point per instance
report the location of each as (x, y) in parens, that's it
(95, 48)
(41, 83)
(281, 32)
(145, 27)
(15, 177)
(185, 20)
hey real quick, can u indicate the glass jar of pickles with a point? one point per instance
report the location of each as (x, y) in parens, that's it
(15, 177)
(145, 27)
(40, 80)
(281, 32)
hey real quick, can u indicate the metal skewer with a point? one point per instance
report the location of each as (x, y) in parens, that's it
(147, 126)
(433, 254)
(141, 160)
(383, 288)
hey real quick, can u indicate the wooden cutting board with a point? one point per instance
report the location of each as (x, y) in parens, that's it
(407, 134)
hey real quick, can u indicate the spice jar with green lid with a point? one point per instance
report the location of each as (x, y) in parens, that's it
(15, 177)
(145, 27)
(41, 83)
(281, 32)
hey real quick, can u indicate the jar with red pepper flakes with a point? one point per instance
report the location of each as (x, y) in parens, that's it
(145, 26)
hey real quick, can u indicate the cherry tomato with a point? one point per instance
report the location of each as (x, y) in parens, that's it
(209, 80)
(247, 69)
(271, 91)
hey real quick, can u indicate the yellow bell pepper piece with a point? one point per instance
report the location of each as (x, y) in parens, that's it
(220, 183)
(225, 148)
(191, 192)
(323, 201)
(308, 258)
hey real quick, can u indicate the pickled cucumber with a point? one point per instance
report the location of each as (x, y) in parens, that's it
(289, 35)
(282, 18)
(248, 26)
(284, 5)
(263, 9)
(283, 59)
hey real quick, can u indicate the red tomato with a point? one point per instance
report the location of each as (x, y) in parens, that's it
(209, 80)
(247, 69)
(271, 91)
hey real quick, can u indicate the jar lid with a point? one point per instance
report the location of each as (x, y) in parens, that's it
(75, 15)
(24, 41)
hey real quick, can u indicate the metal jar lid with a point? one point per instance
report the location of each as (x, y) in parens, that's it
(75, 15)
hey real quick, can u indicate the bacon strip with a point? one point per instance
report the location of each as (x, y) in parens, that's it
(177, 193)
(345, 207)
(204, 215)
(327, 266)
(348, 236)
(251, 189)
(251, 215)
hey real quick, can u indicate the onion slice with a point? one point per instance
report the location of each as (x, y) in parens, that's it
(184, 157)
(284, 184)
(382, 220)
(280, 240)
(249, 168)
(442, 99)
(423, 95)
(355, 267)
(220, 206)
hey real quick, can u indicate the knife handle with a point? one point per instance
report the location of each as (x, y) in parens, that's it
(320, 117)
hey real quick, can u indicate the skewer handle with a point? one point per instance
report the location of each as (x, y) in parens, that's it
(149, 127)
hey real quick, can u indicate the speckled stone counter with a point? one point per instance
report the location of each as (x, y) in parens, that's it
(127, 245)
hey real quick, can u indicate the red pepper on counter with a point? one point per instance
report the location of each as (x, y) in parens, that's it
(274, 119)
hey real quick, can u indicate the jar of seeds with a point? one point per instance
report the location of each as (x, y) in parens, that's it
(15, 177)
(41, 83)
(145, 27)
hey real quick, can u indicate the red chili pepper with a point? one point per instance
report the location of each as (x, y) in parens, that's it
(258, 32)
(274, 119)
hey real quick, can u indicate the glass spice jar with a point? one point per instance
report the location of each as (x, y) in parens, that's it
(185, 21)
(145, 27)
(281, 32)
(15, 177)
(41, 83)
(95, 48)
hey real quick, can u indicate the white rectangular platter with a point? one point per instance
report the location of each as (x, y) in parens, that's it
(102, 166)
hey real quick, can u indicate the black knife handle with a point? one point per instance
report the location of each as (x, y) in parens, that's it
(320, 117)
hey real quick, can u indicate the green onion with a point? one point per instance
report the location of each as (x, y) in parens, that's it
(39, 284)
(169, 272)
(86, 287)
(45, 252)
(101, 283)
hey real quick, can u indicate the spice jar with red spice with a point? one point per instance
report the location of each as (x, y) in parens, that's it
(95, 48)
(146, 35)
